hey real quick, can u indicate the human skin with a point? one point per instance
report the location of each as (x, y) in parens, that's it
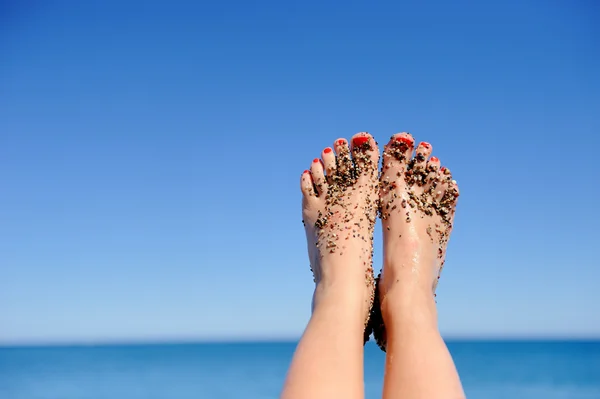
(339, 209)
(416, 200)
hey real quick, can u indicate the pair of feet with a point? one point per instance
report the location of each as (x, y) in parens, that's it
(343, 193)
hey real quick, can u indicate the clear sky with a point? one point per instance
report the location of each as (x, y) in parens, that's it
(150, 156)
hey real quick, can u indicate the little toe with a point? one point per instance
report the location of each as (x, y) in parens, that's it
(446, 195)
(450, 199)
(365, 154)
(344, 165)
(398, 150)
(454, 189)
(318, 176)
(307, 185)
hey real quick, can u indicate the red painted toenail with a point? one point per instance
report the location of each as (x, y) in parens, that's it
(341, 142)
(327, 150)
(358, 141)
(443, 168)
(315, 160)
(434, 159)
(425, 144)
(305, 172)
(404, 140)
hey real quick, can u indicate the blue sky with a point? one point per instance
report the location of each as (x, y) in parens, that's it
(150, 156)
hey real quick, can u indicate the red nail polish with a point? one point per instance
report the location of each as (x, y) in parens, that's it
(327, 150)
(434, 159)
(315, 160)
(358, 141)
(443, 168)
(405, 140)
(341, 142)
(425, 144)
(305, 172)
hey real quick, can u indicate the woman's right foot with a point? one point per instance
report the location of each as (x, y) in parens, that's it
(417, 205)
(339, 209)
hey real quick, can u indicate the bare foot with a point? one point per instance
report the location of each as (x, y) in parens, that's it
(339, 209)
(417, 205)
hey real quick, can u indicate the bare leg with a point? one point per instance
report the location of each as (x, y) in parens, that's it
(339, 213)
(328, 362)
(418, 200)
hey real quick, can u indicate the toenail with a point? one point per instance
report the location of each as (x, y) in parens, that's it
(443, 168)
(327, 150)
(315, 160)
(434, 159)
(425, 144)
(358, 141)
(341, 142)
(305, 172)
(404, 140)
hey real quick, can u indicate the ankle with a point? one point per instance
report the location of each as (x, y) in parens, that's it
(409, 305)
(343, 297)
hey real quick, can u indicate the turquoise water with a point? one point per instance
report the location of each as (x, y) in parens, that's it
(489, 370)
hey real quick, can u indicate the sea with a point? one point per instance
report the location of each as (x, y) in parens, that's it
(488, 369)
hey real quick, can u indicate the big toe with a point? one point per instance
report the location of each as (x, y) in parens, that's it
(398, 152)
(396, 155)
(365, 154)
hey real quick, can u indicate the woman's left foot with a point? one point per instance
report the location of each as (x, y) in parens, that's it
(339, 208)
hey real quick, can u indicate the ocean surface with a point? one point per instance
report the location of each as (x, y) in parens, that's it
(489, 370)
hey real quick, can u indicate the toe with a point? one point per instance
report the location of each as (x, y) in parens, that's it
(444, 177)
(307, 185)
(446, 195)
(329, 162)
(398, 149)
(318, 176)
(365, 154)
(418, 164)
(454, 189)
(431, 172)
(422, 154)
(344, 165)
(450, 199)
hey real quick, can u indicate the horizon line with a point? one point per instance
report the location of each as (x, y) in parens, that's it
(275, 340)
